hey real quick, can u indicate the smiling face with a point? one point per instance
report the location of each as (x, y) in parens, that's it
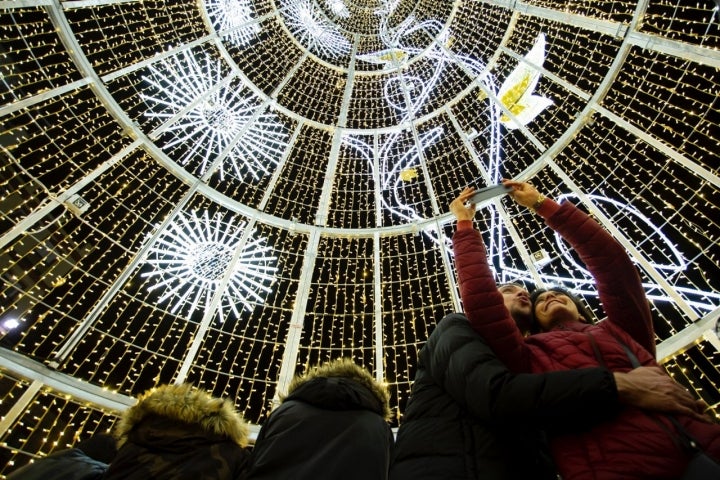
(517, 301)
(552, 307)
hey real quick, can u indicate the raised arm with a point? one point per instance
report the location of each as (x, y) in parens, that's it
(617, 280)
(482, 302)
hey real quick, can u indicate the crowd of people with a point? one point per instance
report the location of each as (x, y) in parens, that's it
(519, 386)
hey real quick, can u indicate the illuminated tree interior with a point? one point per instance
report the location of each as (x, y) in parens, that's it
(224, 192)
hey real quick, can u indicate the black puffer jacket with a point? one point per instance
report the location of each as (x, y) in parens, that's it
(71, 464)
(332, 425)
(469, 418)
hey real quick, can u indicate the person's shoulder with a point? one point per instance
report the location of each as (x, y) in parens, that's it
(452, 320)
(454, 329)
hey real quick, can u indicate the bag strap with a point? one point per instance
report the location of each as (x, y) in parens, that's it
(596, 350)
(633, 359)
(687, 440)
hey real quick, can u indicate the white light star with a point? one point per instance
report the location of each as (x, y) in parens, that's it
(192, 257)
(202, 125)
(306, 22)
(338, 8)
(233, 19)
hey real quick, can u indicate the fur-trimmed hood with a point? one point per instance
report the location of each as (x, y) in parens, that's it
(345, 368)
(189, 405)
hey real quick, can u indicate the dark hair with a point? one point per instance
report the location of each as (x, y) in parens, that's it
(583, 310)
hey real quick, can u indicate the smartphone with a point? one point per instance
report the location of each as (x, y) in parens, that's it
(489, 192)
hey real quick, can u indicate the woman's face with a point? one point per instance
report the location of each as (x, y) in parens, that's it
(552, 308)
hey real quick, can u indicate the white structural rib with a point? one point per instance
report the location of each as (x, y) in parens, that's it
(292, 344)
(674, 48)
(326, 195)
(41, 97)
(705, 328)
(377, 313)
(156, 58)
(677, 157)
(20, 404)
(61, 385)
(25, 3)
(279, 168)
(70, 4)
(57, 200)
(80, 390)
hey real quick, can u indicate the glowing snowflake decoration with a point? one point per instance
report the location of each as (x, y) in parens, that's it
(338, 8)
(307, 23)
(206, 122)
(233, 19)
(191, 260)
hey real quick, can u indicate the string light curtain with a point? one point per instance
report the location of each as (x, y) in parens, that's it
(226, 192)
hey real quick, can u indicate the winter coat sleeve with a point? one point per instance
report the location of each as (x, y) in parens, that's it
(618, 281)
(462, 363)
(70, 464)
(483, 303)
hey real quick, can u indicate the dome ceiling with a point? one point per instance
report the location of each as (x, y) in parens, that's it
(226, 192)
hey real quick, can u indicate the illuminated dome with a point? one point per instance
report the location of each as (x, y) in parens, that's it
(224, 192)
